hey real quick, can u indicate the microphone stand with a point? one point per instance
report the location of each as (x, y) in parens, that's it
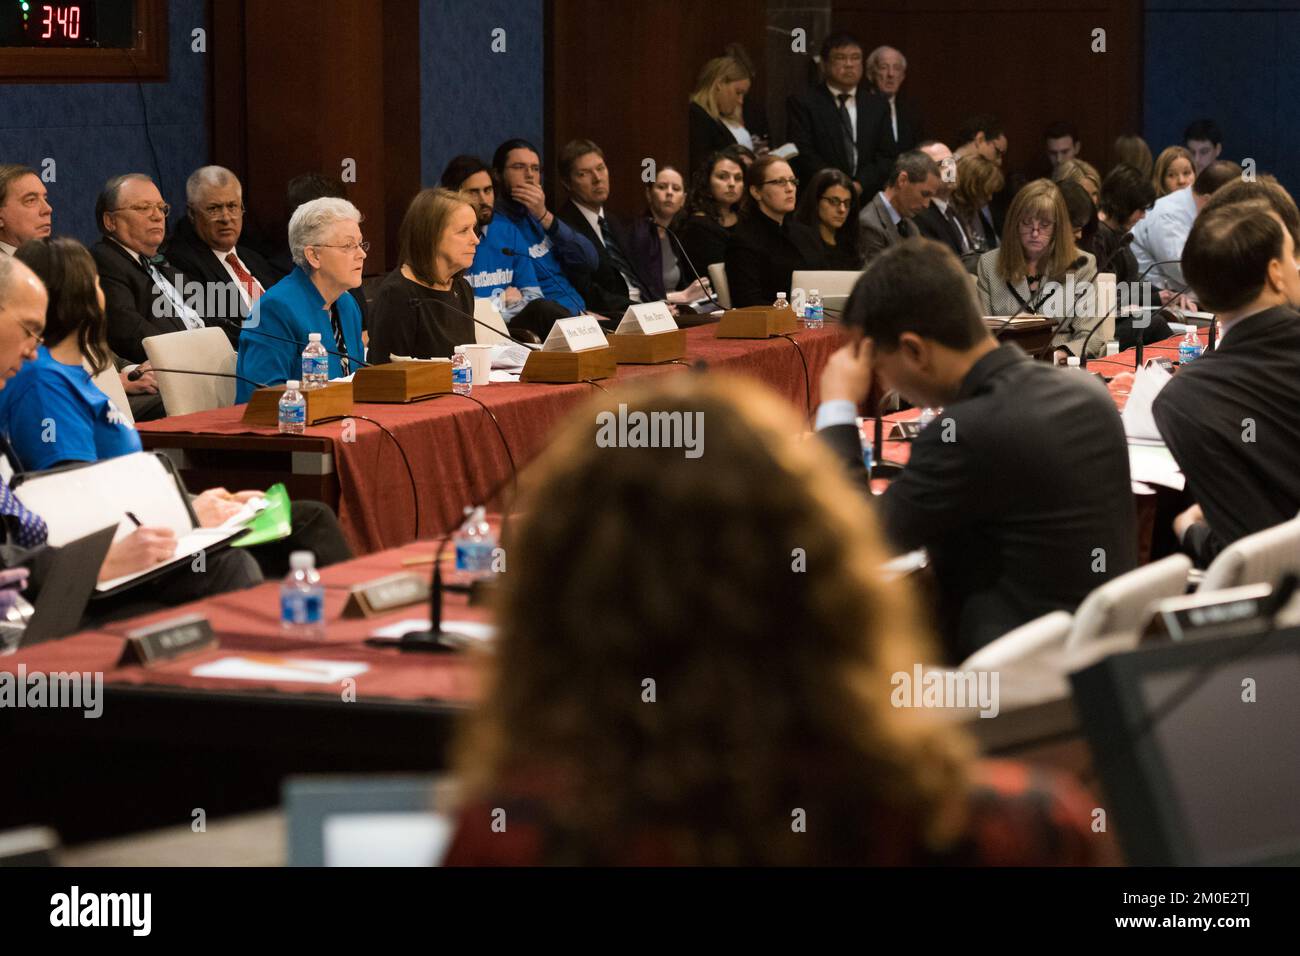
(135, 375)
(879, 467)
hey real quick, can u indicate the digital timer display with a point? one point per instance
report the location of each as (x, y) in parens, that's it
(32, 23)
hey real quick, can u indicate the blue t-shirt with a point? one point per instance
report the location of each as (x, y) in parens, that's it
(54, 413)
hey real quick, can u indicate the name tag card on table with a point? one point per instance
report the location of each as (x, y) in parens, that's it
(648, 335)
(575, 351)
(168, 640)
(385, 594)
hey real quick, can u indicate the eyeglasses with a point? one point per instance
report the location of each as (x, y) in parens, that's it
(144, 208)
(216, 209)
(837, 203)
(1030, 225)
(524, 168)
(30, 333)
(348, 249)
(789, 181)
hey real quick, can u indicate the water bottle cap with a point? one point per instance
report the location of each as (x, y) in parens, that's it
(313, 337)
(1072, 361)
(813, 292)
(780, 295)
(302, 561)
(292, 383)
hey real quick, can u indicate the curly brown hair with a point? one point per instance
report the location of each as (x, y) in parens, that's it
(772, 682)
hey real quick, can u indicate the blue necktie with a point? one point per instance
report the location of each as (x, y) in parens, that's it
(31, 532)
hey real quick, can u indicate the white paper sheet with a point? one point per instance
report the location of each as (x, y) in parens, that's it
(280, 669)
(1154, 465)
(1139, 422)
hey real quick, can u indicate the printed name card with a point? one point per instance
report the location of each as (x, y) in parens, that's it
(385, 594)
(168, 640)
(575, 335)
(647, 318)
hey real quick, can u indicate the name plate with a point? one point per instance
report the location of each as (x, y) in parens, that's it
(575, 335)
(647, 318)
(1232, 612)
(386, 594)
(168, 640)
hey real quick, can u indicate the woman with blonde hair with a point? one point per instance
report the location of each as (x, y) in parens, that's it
(1081, 172)
(1174, 170)
(1133, 150)
(978, 181)
(1027, 273)
(717, 106)
(700, 665)
(423, 308)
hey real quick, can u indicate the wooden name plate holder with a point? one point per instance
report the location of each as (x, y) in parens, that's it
(264, 405)
(569, 367)
(401, 382)
(756, 322)
(649, 349)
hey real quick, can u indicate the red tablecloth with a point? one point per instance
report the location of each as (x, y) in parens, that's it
(454, 449)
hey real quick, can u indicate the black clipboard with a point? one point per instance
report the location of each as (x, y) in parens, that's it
(68, 575)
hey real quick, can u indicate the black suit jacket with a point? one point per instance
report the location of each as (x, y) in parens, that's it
(813, 125)
(192, 258)
(933, 224)
(1020, 491)
(706, 136)
(910, 126)
(129, 297)
(1232, 421)
(604, 290)
(762, 257)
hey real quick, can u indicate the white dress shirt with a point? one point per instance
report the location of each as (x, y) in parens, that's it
(1162, 234)
(234, 277)
(7, 249)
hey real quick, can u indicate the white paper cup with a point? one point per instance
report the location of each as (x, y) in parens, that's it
(480, 362)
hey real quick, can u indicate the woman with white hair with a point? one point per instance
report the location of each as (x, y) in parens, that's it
(328, 255)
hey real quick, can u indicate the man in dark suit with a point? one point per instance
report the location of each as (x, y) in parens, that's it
(889, 218)
(901, 126)
(1230, 418)
(939, 221)
(139, 285)
(619, 280)
(205, 248)
(838, 122)
(1019, 488)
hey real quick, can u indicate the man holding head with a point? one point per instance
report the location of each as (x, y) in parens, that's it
(939, 221)
(838, 121)
(888, 219)
(1230, 418)
(25, 211)
(1020, 514)
(205, 248)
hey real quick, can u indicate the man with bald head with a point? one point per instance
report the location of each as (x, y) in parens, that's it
(139, 284)
(901, 127)
(939, 221)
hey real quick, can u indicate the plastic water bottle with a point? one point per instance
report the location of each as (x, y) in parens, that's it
(1190, 348)
(475, 543)
(1072, 361)
(462, 374)
(781, 301)
(293, 409)
(814, 315)
(315, 363)
(302, 598)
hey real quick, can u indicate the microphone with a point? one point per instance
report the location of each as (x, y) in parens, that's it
(137, 373)
(1125, 241)
(695, 272)
(418, 304)
(1078, 263)
(280, 338)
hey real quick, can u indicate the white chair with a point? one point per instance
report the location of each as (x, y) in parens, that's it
(1259, 558)
(109, 382)
(1025, 643)
(1120, 605)
(718, 279)
(833, 286)
(200, 350)
(485, 311)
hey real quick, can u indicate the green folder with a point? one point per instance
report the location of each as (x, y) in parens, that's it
(271, 523)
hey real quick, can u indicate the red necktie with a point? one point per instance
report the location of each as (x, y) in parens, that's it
(245, 279)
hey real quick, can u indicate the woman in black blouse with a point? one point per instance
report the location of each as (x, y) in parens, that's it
(425, 308)
(717, 107)
(830, 208)
(712, 209)
(768, 245)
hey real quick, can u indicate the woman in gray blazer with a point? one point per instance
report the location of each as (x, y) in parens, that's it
(1028, 272)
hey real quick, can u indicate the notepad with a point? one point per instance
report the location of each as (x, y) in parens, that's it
(280, 669)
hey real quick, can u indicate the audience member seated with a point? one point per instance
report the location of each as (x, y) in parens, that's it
(978, 181)
(618, 280)
(901, 127)
(1061, 144)
(1126, 195)
(1230, 418)
(54, 415)
(1159, 238)
(1016, 483)
(1204, 141)
(23, 534)
(887, 219)
(590, 774)
(717, 107)
(425, 307)
(303, 189)
(1027, 272)
(25, 210)
(768, 244)
(328, 252)
(1081, 172)
(939, 221)
(205, 248)
(1081, 210)
(139, 284)
(838, 122)
(983, 135)
(1173, 171)
(1133, 150)
(830, 208)
(669, 276)
(713, 207)
(561, 258)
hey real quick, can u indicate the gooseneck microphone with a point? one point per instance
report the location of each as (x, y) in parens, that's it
(137, 373)
(694, 271)
(281, 338)
(418, 305)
